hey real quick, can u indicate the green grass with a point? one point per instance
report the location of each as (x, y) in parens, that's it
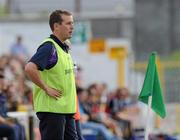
(2, 11)
(174, 56)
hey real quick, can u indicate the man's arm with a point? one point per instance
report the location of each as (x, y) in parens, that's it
(2, 120)
(32, 72)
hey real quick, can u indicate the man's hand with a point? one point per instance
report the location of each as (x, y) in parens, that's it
(53, 93)
(2, 120)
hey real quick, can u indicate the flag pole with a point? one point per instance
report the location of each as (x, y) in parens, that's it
(148, 114)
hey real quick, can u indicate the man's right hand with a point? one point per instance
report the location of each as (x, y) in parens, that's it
(33, 73)
(53, 93)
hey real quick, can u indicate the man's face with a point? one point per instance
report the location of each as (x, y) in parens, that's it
(65, 29)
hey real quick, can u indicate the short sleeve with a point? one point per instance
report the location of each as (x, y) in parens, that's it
(42, 56)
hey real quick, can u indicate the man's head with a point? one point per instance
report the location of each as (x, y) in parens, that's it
(19, 39)
(61, 24)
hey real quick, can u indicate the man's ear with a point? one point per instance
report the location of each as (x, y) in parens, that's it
(56, 25)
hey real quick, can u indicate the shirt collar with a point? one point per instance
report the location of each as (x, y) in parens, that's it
(64, 46)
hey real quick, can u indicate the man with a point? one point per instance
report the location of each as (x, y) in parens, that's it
(51, 70)
(19, 50)
(6, 130)
(9, 127)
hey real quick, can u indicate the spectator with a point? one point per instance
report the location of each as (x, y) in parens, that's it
(19, 50)
(123, 111)
(100, 129)
(9, 127)
(6, 130)
(19, 91)
(3, 61)
(96, 111)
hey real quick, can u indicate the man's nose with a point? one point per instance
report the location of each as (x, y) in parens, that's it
(72, 27)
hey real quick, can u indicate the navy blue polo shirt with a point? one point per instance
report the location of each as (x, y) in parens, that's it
(46, 55)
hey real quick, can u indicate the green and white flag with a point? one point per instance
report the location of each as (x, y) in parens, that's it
(152, 87)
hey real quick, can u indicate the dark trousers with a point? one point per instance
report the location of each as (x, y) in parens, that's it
(55, 126)
(7, 131)
(78, 129)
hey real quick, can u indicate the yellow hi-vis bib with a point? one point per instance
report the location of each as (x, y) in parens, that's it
(60, 77)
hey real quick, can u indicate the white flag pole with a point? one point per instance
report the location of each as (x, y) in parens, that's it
(148, 118)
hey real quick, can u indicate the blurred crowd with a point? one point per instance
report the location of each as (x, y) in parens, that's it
(109, 113)
(116, 110)
(15, 91)
(14, 83)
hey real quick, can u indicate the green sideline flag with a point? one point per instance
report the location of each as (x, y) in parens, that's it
(152, 87)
